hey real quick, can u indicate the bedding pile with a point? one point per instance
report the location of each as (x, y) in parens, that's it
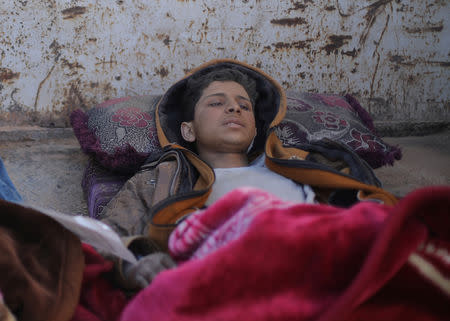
(251, 256)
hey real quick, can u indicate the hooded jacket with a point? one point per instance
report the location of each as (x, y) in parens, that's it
(177, 182)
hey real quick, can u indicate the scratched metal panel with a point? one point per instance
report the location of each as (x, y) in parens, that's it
(57, 55)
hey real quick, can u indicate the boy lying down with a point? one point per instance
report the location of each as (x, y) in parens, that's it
(215, 127)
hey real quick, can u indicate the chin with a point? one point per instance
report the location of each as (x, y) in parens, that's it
(239, 147)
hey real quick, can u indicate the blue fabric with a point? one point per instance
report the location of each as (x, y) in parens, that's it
(7, 190)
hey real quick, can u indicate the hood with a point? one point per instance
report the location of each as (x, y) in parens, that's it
(270, 106)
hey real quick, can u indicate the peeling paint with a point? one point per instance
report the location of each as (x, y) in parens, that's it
(8, 74)
(433, 28)
(297, 6)
(291, 45)
(162, 71)
(289, 21)
(352, 53)
(73, 12)
(336, 42)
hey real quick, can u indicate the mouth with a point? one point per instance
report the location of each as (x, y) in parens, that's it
(234, 123)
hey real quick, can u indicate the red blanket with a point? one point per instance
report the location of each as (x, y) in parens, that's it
(253, 257)
(99, 299)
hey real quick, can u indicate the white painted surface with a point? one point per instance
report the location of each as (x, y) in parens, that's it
(59, 55)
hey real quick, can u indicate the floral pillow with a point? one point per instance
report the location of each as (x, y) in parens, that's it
(119, 133)
(312, 117)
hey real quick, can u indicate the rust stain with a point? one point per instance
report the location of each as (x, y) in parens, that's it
(74, 98)
(375, 6)
(400, 60)
(164, 38)
(8, 74)
(56, 49)
(289, 21)
(352, 53)
(109, 62)
(167, 41)
(433, 28)
(162, 71)
(73, 12)
(406, 61)
(371, 16)
(108, 87)
(71, 65)
(41, 84)
(289, 45)
(297, 6)
(336, 41)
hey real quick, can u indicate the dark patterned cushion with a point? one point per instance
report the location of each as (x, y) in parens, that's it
(120, 133)
(312, 117)
(99, 186)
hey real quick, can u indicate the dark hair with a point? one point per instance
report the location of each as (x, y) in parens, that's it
(198, 82)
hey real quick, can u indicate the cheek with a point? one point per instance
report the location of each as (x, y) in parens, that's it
(205, 121)
(207, 117)
(252, 121)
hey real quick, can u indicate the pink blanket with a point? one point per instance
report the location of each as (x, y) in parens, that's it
(251, 256)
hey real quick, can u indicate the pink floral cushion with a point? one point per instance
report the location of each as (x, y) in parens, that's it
(119, 133)
(312, 117)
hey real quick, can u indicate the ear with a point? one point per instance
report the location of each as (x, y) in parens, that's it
(187, 131)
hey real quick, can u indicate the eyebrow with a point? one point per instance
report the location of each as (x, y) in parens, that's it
(223, 95)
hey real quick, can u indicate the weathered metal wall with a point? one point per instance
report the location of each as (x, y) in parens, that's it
(57, 55)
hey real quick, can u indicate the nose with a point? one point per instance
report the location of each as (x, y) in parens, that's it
(233, 107)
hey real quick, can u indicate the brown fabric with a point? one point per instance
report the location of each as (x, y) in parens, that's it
(160, 235)
(128, 213)
(41, 265)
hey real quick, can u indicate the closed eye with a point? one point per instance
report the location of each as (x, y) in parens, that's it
(215, 104)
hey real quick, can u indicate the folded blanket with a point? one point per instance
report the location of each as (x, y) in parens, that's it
(41, 265)
(251, 256)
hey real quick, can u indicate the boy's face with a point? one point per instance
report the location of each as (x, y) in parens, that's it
(223, 119)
